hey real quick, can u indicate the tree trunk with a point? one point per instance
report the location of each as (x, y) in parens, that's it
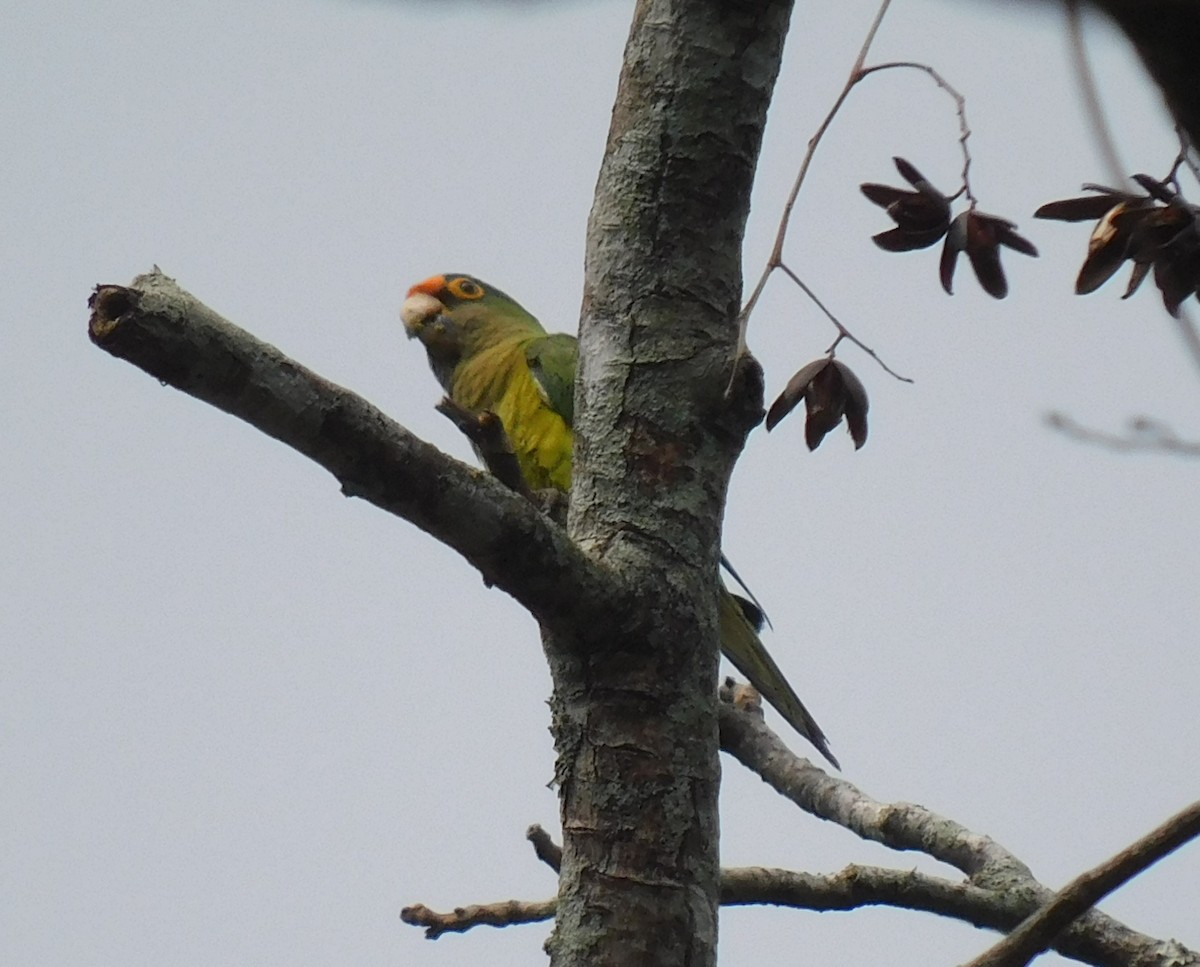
(657, 434)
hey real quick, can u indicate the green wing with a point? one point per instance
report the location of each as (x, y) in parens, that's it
(553, 359)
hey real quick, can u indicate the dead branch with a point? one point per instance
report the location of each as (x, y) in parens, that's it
(1145, 435)
(487, 436)
(167, 332)
(506, 913)
(548, 851)
(1012, 892)
(1081, 894)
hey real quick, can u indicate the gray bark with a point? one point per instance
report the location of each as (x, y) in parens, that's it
(656, 439)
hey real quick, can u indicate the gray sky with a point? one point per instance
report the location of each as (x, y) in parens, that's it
(245, 720)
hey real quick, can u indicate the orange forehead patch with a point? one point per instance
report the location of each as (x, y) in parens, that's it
(431, 286)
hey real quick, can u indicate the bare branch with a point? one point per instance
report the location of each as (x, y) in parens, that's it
(1011, 891)
(776, 257)
(900, 826)
(1145, 435)
(486, 433)
(863, 886)
(548, 851)
(1039, 930)
(506, 913)
(843, 332)
(1188, 333)
(854, 887)
(1090, 93)
(1001, 896)
(167, 332)
(858, 73)
(1187, 155)
(960, 104)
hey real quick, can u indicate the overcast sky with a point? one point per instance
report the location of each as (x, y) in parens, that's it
(244, 720)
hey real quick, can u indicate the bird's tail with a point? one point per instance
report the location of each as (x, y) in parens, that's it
(742, 646)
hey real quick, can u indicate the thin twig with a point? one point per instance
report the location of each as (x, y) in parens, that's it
(857, 73)
(1144, 435)
(1040, 929)
(1187, 331)
(960, 107)
(1090, 92)
(843, 332)
(776, 256)
(503, 913)
(1186, 153)
(1183, 159)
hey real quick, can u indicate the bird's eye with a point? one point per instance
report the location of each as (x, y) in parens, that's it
(466, 288)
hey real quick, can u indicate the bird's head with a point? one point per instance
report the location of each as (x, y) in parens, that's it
(453, 314)
(428, 313)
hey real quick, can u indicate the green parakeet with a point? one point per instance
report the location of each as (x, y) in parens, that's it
(488, 353)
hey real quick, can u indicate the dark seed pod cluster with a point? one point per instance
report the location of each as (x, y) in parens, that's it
(1156, 231)
(923, 218)
(830, 391)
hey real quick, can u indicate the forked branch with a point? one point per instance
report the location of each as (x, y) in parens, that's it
(1039, 931)
(1009, 891)
(999, 893)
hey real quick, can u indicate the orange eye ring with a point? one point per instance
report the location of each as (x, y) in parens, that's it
(465, 288)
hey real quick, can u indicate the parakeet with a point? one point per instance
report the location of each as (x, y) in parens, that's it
(488, 353)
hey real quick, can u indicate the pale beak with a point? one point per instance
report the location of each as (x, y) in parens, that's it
(417, 310)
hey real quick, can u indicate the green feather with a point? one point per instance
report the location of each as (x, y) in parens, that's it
(553, 360)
